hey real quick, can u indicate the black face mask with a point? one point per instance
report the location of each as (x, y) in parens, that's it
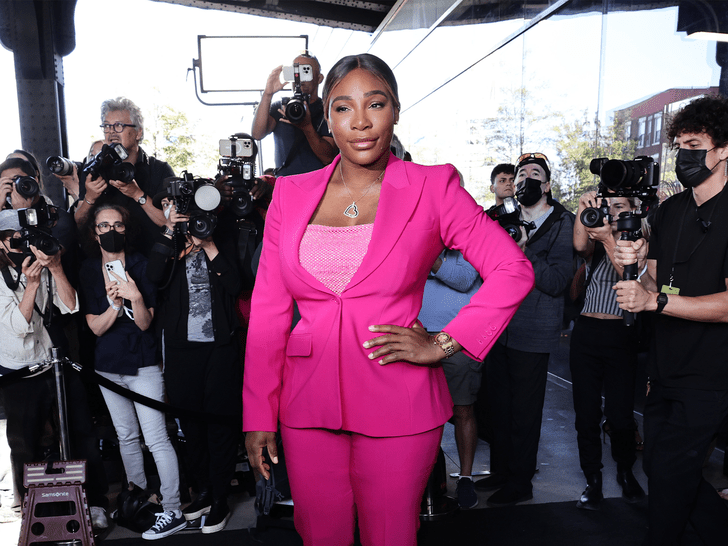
(111, 241)
(529, 192)
(690, 167)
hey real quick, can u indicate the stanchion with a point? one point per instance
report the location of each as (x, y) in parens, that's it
(55, 509)
(435, 503)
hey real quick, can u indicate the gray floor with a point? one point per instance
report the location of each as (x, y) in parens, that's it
(558, 478)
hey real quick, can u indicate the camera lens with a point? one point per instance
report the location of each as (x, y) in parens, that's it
(295, 110)
(592, 217)
(59, 165)
(27, 186)
(202, 225)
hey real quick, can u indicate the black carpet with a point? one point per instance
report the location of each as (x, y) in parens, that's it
(555, 524)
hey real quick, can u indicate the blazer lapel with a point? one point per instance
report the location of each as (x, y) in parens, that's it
(401, 190)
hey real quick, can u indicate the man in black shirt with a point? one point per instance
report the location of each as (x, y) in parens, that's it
(302, 147)
(122, 122)
(685, 286)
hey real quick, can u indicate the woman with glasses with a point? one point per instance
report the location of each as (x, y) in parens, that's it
(119, 301)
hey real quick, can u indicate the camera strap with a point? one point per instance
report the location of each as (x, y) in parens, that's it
(13, 284)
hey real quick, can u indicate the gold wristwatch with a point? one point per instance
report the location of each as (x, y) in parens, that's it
(445, 342)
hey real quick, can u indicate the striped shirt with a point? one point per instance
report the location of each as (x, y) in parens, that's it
(600, 298)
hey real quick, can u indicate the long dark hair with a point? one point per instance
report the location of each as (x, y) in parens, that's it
(88, 231)
(366, 61)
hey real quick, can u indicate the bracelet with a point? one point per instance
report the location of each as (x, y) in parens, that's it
(116, 307)
(89, 202)
(168, 231)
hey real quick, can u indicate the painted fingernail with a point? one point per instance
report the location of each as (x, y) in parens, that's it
(371, 356)
(366, 344)
(371, 328)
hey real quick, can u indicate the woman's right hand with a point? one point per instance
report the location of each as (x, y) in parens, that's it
(173, 217)
(254, 444)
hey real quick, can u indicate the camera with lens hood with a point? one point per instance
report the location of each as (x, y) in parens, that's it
(295, 106)
(26, 186)
(60, 166)
(196, 198)
(508, 215)
(238, 164)
(35, 229)
(109, 164)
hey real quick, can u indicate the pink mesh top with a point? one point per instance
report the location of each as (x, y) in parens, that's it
(333, 254)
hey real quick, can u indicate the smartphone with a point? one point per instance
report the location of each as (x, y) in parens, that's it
(117, 268)
(236, 147)
(305, 72)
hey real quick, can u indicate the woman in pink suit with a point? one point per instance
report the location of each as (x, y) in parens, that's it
(356, 385)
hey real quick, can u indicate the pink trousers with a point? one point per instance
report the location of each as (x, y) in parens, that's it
(339, 477)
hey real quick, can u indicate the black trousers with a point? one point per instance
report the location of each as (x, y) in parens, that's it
(29, 403)
(679, 427)
(207, 377)
(516, 391)
(603, 356)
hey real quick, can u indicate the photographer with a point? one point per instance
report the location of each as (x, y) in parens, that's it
(122, 122)
(32, 284)
(119, 308)
(603, 354)
(199, 282)
(517, 364)
(502, 183)
(685, 287)
(301, 147)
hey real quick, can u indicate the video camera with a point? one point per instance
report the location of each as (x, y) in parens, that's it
(35, 230)
(295, 106)
(638, 178)
(196, 198)
(238, 163)
(508, 215)
(60, 166)
(109, 164)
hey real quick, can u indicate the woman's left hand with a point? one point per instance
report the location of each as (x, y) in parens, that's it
(412, 345)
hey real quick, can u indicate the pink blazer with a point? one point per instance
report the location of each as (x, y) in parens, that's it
(319, 375)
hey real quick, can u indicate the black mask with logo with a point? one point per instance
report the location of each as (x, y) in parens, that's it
(112, 242)
(690, 167)
(529, 192)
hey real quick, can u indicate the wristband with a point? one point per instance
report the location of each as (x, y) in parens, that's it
(89, 202)
(116, 307)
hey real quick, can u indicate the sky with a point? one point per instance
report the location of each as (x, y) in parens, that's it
(144, 50)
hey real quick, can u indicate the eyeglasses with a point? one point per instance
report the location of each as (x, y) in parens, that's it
(526, 157)
(104, 227)
(118, 126)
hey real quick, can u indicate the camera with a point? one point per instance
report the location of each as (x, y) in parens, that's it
(508, 215)
(594, 217)
(26, 186)
(238, 163)
(35, 229)
(295, 106)
(196, 198)
(109, 164)
(627, 178)
(61, 166)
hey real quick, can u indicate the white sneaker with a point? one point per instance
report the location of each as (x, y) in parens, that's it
(167, 523)
(98, 517)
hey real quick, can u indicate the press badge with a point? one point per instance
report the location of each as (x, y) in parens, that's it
(670, 289)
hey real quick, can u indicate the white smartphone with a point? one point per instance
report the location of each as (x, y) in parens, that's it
(117, 268)
(305, 72)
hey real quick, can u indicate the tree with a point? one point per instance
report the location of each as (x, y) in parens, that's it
(578, 143)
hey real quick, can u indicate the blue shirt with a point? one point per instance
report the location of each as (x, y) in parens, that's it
(448, 290)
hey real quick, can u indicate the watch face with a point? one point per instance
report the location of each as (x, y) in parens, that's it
(442, 337)
(142, 200)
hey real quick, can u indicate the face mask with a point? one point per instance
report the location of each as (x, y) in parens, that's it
(111, 241)
(690, 167)
(529, 192)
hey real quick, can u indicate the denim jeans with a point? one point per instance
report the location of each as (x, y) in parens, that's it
(128, 416)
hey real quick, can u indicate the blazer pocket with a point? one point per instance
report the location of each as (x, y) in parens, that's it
(299, 345)
(421, 225)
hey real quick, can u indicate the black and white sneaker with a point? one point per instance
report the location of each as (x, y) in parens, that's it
(168, 523)
(217, 518)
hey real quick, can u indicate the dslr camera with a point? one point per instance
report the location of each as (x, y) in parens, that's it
(196, 198)
(26, 186)
(295, 106)
(508, 215)
(35, 230)
(61, 166)
(238, 163)
(618, 178)
(109, 164)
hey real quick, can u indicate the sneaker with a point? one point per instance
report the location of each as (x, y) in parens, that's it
(98, 517)
(199, 507)
(167, 524)
(466, 494)
(217, 518)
